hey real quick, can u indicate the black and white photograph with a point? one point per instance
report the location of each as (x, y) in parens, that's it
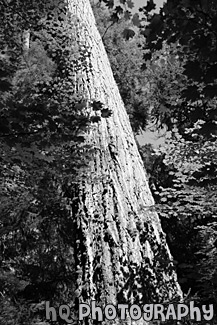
(108, 162)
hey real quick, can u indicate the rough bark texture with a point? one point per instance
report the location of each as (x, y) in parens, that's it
(120, 253)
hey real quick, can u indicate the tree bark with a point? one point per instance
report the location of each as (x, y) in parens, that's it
(120, 250)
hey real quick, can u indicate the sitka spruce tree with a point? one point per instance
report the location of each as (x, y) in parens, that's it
(120, 250)
(77, 219)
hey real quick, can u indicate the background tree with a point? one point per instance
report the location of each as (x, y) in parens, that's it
(180, 59)
(190, 25)
(182, 173)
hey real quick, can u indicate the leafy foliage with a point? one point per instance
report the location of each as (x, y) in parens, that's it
(165, 82)
(183, 181)
(182, 172)
(123, 48)
(191, 26)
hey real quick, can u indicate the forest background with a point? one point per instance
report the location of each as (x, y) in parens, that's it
(165, 65)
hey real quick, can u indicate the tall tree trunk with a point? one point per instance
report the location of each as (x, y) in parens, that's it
(121, 252)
